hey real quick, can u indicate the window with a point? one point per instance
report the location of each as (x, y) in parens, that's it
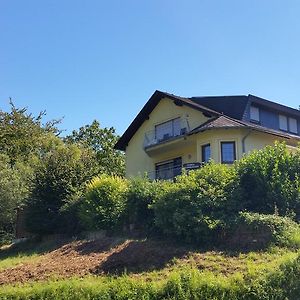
(206, 153)
(167, 130)
(228, 155)
(293, 125)
(254, 113)
(283, 123)
(168, 169)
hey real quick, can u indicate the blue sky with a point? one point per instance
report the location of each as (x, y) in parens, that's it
(102, 60)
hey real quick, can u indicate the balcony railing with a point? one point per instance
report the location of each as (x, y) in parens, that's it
(165, 174)
(170, 173)
(154, 138)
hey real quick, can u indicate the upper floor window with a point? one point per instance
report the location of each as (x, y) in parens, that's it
(254, 113)
(293, 125)
(283, 125)
(167, 129)
(205, 153)
(228, 154)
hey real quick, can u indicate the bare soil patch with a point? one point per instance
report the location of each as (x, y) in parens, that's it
(105, 256)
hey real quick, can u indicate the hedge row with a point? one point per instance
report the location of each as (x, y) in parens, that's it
(203, 205)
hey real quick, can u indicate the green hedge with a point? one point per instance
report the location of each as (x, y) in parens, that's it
(197, 206)
(254, 230)
(269, 180)
(201, 206)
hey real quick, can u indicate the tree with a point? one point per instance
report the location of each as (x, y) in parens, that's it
(14, 188)
(22, 134)
(60, 179)
(101, 141)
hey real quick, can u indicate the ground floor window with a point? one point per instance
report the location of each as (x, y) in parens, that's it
(206, 153)
(168, 169)
(228, 154)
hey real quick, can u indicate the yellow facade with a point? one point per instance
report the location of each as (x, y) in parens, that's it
(188, 147)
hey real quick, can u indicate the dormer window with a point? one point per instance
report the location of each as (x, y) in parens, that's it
(283, 125)
(254, 114)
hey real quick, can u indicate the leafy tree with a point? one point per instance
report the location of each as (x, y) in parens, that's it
(101, 141)
(59, 181)
(14, 188)
(22, 134)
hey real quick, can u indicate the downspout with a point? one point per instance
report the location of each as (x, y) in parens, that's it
(243, 140)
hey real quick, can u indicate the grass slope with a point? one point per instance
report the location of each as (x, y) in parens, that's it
(143, 269)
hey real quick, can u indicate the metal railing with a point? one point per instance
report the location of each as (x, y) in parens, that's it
(165, 174)
(170, 173)
(154, 138)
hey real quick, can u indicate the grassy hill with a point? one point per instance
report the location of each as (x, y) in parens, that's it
(119, 268)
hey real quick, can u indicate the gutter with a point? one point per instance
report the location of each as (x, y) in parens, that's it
(243, 140)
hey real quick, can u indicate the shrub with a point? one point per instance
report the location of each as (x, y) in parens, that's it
(196, 207)
(270, 179)
(259, 231)
(104, 203)
(142, 193)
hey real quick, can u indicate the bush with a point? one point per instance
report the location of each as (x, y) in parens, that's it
(142, 193)
(269, 179)
(104, 203)
(197, 206)
(253, 230)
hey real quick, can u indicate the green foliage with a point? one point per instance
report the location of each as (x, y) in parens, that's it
(13, 190)
(61, 175)
(197, 205)
(102, 141)
(269, 180)
(104, 203)
(141, 195)
(22, 134)
(281, 231)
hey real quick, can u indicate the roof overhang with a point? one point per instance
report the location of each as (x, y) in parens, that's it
(230, 123)
(148, 108)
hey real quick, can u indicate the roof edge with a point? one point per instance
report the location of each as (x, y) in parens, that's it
(148, 108)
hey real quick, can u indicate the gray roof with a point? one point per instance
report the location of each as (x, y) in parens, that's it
(224, 122)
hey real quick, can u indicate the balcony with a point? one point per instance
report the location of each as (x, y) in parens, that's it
(172, 130)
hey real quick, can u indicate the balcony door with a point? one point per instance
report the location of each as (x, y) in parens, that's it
(168, 169)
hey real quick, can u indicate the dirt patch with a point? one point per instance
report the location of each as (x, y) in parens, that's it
(103, 256)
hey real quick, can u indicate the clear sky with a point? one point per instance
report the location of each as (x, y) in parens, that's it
(94, 59)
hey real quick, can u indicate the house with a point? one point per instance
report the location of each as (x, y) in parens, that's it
(172, 132)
